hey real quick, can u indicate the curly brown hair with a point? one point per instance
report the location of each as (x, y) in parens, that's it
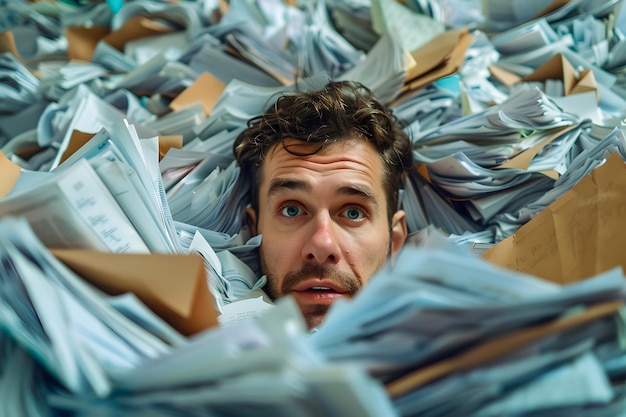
(340, 110)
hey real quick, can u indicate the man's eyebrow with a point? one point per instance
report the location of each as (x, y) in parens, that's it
(356, 190)
(361, 191)
(287, 183)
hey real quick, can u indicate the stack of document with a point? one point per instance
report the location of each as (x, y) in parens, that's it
(523, 113)
(487, 164)
(82, 351)
(112, 59)
(33, 35)
(22, 102)
(18, 85)
(452, 334)
(428, 108)
(503, 198)
(210, 56)
(75, 209)
(578, 234)
(323, 49)
(383, 69)
(217, 203)
(352, 18)
(502, 16)
(59, 77)
(108, 195)
(80, 110)
(592, 155)
(586, 42)
(179, 16)
(121, 146)
(64, 324)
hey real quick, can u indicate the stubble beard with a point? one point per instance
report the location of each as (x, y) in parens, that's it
(313, 313)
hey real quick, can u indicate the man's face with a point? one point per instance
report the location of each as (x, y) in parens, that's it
(324, 223)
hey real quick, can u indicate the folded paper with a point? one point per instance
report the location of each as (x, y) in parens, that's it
(577, 236)
(173, 286)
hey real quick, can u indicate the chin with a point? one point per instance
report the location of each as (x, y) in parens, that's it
(314, 315)
(313, 322)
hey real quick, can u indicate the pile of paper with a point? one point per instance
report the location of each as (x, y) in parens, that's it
(453, 335)
(67, 347)
(117, 120)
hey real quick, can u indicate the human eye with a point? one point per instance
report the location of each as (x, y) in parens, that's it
(354, 214)
(291, 210)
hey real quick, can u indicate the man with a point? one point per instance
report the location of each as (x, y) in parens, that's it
(325, 167)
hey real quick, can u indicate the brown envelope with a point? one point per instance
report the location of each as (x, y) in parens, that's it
(559, 68)
(77, 140)
(523, 159)
(206, 89)
(82, 41)
(434, 53)
(7, 44)
(580, 235)
(442, 56)
(224, 6)
(134, 28)
(492, 349)
(556, 68)
(166, 142)
(9, 173)
(173, 286)
(586, 82)
(505, 77)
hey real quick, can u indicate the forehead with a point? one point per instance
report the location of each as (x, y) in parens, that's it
(354, 159)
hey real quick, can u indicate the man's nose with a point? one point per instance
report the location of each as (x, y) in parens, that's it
(322, 245)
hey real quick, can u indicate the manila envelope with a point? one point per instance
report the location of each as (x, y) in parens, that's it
(523, 159)
(559, 68)
(495, 348)
(505, 77)
(9, 173)
(173, 286)
(206, 89)
(580, 235)
(442, 56)
(166, 142)
(82, 41)
(134, 28)
(556, 68)
(79, 139)
(586, 82)
(7, 44)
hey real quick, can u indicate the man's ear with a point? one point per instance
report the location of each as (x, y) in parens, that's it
(399, 232)
(251, 220)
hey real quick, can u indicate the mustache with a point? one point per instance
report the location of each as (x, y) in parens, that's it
(348, 282)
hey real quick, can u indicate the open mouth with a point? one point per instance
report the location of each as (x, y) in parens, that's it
(325, 289)
(318, 292)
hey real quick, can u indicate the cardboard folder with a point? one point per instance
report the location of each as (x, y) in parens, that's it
(7, 44)
(581, 234)
(523, 159)
(442, 56)
(9, 173)
(136, 27)
(173, 286)
(207, 89)
(79, 139)
(556, 68)
(82, 41)
(493, 349)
